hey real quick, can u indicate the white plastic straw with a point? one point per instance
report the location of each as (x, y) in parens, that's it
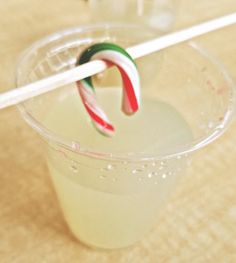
(21, 94)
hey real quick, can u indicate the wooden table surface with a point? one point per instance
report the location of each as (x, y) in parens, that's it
(199, 222)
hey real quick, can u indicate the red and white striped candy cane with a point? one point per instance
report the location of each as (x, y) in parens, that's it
(113, 55)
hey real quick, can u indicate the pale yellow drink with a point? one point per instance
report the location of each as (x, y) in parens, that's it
(113, 204)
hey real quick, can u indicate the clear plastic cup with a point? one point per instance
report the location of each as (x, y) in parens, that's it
(111, 195)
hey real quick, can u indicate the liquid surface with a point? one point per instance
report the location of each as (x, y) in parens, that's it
(112, 205)
(155, 129)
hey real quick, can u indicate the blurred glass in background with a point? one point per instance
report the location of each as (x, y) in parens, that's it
(156, 14)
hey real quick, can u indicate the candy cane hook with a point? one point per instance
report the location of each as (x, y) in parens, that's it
(113, 55)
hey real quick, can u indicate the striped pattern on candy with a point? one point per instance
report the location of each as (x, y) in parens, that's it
(113, 55)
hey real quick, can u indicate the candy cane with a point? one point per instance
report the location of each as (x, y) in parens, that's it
(113, 55)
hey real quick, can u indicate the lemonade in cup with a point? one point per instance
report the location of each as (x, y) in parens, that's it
(111, 190)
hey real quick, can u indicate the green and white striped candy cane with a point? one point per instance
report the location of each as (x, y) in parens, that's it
(113, 55)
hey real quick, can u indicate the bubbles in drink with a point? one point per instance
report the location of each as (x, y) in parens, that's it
(103, 176)
(73, 167)
(164, 176)
(152, 174)
(138, 170)
(110, 167)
